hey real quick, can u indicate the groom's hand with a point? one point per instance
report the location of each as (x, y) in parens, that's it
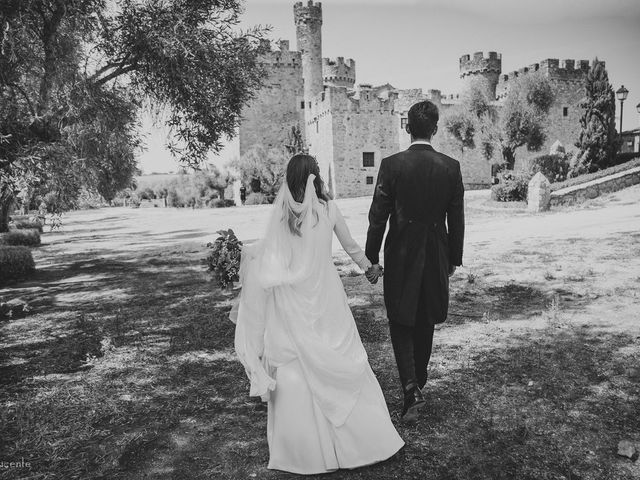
(373, 273)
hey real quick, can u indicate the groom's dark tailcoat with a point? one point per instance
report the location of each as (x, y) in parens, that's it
(420, 192)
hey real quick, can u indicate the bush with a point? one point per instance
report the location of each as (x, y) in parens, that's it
(28, 237)
(625, 157)
(15, 263)
(28, 224)
(256, 198)
(570, 182)
(222, 203)
(555, 166)
(224, 258)
(512, 187)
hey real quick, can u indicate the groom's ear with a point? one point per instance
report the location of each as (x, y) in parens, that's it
(407, 128)
(435, 130)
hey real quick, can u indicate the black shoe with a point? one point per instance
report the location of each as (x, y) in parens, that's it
(413, 403)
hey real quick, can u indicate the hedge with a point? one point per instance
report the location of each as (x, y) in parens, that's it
(570, 182)
(15, 263)
(27, 224)
(28, 237)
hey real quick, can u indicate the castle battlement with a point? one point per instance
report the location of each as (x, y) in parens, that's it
(310, 12)
(338, 72)
(365, 99)
(283, 57)
(480, 63)
(567, 70)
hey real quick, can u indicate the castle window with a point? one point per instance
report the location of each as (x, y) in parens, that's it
(369, 180)
(403, 122)
(302, 105)
(368, 159)
(565, 111)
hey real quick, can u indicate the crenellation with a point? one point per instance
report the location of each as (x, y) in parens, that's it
(339, 73)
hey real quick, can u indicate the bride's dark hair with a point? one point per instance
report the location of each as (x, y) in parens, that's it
(299, 168)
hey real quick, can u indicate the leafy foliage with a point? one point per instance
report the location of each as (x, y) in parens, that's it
(264, 167)
(598, 141)
(199, 189)
(555, 166)
(15, 263)
(74, 74)
(513, 187)
(224, 258)
(28, 237)
(524, 116)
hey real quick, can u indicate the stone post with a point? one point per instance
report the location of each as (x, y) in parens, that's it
(539, 195)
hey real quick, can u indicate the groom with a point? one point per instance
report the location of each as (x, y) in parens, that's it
(416, 192)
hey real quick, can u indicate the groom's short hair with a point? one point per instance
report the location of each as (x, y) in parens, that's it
(423, 119)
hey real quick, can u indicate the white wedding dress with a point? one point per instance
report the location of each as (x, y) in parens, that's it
(297, 339)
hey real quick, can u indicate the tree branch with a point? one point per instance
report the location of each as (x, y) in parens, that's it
(26, 97)
(120, 71)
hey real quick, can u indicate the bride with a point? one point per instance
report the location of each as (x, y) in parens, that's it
(298, 342)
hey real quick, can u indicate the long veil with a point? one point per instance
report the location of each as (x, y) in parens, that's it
(282, 281)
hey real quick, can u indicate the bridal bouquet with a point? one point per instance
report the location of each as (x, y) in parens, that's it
(224, 258)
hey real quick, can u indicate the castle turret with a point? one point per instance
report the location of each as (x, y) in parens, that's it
(308, 19)
(339, 73)
(488, 67)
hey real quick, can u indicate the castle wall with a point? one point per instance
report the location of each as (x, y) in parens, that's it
(347, 125)
(268, 118)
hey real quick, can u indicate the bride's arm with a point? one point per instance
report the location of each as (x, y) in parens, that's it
(346, 240)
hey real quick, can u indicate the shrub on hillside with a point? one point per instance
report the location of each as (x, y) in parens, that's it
(554, 166)
(27, 224)
(512, 187)
(224, 258)
(15, 263)
(29, 237)
(570, 182)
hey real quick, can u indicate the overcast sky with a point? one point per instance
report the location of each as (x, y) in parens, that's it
(418, 43)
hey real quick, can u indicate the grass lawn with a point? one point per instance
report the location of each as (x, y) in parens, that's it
(125, 367)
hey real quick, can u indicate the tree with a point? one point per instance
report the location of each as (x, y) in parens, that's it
(472, 122)
(267, 167)
(598, 142)
(73, 74)
(523, 117)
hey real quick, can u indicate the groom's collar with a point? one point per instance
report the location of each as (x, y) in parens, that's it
(420, 145)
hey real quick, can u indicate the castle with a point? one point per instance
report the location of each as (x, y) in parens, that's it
(349, 128)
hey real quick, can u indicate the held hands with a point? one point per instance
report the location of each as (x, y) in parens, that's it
(374, 273)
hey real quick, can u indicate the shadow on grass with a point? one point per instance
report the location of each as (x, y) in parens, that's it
(162, 396)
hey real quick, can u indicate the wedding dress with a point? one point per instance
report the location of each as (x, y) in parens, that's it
(297, 339)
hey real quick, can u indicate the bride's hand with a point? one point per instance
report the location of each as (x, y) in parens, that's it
(373, 273)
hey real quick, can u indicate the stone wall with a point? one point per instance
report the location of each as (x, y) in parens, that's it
(268, 118)
(595, 188)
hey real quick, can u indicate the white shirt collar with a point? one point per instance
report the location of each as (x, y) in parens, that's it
(420, 142)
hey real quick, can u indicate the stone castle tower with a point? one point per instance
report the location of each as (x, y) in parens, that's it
(350, 128)
(489, 67)
(308, 20)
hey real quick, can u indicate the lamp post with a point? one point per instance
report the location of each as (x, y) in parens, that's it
(621, 93)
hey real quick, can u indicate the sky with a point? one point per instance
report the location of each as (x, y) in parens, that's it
(418, 43)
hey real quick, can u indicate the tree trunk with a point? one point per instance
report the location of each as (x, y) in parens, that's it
(509, 157)
(6, 202)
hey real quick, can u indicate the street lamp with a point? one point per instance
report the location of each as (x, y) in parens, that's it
(621, 93)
